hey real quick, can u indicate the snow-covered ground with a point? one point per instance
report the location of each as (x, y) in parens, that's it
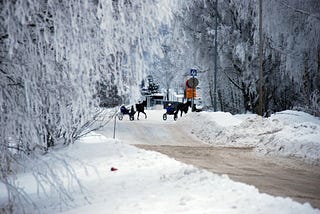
(288, 133)
(149, 182)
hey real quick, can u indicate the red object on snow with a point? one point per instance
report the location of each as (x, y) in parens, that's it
(113, 169)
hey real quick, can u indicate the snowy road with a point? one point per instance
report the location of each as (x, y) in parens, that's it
(278, 177)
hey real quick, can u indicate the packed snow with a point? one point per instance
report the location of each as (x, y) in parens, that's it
(116, 177)
(287, 134)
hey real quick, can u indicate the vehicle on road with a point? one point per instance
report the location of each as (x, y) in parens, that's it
(124, 110)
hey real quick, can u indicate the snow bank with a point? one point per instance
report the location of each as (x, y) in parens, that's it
(287, 134)
(148, 182)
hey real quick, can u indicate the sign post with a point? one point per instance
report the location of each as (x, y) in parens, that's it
(193, 73)
(114, 126)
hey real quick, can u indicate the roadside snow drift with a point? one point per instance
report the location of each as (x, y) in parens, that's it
(288, 133)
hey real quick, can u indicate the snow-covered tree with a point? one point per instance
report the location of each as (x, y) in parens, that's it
(293, 32)
(57, 59)
(290, 53)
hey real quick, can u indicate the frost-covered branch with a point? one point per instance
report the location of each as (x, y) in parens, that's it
(100, 119)
(300, 11)
(233, 81)
(57, 61)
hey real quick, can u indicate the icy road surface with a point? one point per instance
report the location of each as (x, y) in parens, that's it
(275, 176)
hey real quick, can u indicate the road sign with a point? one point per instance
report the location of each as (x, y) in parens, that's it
(191, 92)
(192, 82)
(193, 72)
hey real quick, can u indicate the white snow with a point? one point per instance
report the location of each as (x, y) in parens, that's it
(286, 134)
(149, 182)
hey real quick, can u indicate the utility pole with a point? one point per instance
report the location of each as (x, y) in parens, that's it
(215, 58)
(260, 61)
